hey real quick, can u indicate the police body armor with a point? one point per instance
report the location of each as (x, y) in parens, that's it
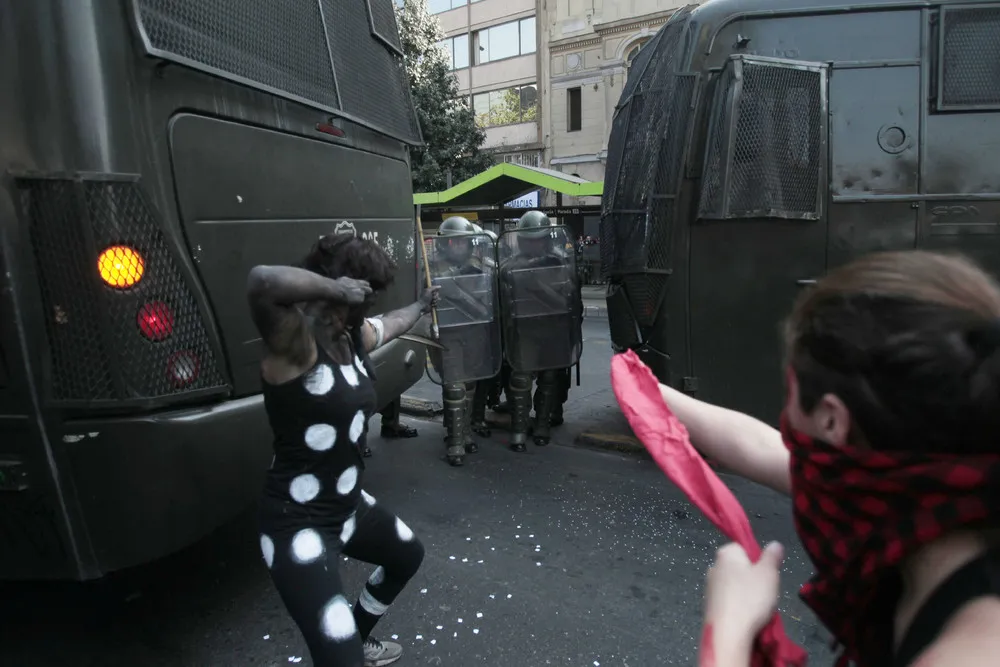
(462, 265)
(542, 314)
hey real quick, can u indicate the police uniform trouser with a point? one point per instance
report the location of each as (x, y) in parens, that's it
(519, 398)
(564, 378)
(458, 399)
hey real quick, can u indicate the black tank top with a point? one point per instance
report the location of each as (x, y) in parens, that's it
(978, 578)
(320, 424)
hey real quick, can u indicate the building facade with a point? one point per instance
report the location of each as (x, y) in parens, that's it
(587, 47)
(494, 50)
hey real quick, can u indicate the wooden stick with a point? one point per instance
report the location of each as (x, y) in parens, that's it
(427, 273)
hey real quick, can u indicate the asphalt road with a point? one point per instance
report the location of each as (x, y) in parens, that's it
(559, 556)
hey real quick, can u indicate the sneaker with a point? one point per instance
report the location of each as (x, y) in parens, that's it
(379, 653)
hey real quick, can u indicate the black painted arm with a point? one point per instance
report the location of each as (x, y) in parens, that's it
(275, 291)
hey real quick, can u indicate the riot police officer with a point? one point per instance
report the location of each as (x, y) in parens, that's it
(469, 329)
(542, 316)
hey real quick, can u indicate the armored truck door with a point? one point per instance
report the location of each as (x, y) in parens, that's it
(760, 234)
(874, 158)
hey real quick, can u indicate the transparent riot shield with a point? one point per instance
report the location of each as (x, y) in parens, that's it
(468, 313)
(540, 302)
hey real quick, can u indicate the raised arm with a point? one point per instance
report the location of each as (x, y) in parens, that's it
(381, 330)
(275, 291)
(739, 442)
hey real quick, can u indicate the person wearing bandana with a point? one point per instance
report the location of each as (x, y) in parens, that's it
(889, 446)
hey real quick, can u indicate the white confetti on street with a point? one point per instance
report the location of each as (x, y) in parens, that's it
(475, 631)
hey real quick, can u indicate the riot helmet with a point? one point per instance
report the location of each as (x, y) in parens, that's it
(451, 244)
(534, 234)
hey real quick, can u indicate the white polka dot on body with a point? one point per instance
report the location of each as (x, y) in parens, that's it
(403, 530)
(321, 437)
(361, 366)
(349, 374)
(368, 497)
(357, 427)
(304, 488)
(319, 381)
(378, 576)
(337, 620)
(267, 548)
(347, 480)
(347, 530)
(307, 546)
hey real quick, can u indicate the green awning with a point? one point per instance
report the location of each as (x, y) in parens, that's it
(504, 182)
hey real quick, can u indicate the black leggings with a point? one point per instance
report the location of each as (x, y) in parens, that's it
(305, 570)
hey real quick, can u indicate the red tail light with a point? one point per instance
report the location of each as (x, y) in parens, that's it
(183, 367)
(156, 321)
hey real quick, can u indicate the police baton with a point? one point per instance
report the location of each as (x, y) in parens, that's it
(435, 333)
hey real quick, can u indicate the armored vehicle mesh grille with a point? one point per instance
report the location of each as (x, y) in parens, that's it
(372, 79)
(970, 58)
(97, 351)
(770, 162)
(645, 157)
(383, 22)
(337, 56)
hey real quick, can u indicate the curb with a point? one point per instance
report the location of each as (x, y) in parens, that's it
(419, 407)
(613, 442)
(597, 312)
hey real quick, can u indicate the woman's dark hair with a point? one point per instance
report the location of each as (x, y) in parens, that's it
(346, 255)
(910, 342)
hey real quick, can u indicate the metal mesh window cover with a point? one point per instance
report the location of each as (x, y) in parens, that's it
(372, 79)
(969, 58)
(142, 340)
(382, 18)
(767, 143)
(299, 49)
(278, 46)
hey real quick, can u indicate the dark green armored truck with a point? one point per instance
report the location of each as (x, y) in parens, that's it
(759, 144)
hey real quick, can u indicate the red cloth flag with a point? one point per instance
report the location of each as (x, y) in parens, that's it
(667, 440)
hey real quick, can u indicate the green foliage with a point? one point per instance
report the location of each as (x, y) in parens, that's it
(452, 140)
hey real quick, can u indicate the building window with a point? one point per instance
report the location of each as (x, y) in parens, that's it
(506, 40)
(438, 6)
(457, 50)
(518, 104)
(574, 109)
(630, 55)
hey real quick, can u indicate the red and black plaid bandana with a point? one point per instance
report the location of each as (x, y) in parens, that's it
(859, 513)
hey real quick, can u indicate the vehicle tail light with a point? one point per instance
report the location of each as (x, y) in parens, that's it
(120, 266)
(183, 367)
(156, 321)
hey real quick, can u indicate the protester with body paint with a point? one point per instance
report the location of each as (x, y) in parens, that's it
(890, 448)
(319, 393)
